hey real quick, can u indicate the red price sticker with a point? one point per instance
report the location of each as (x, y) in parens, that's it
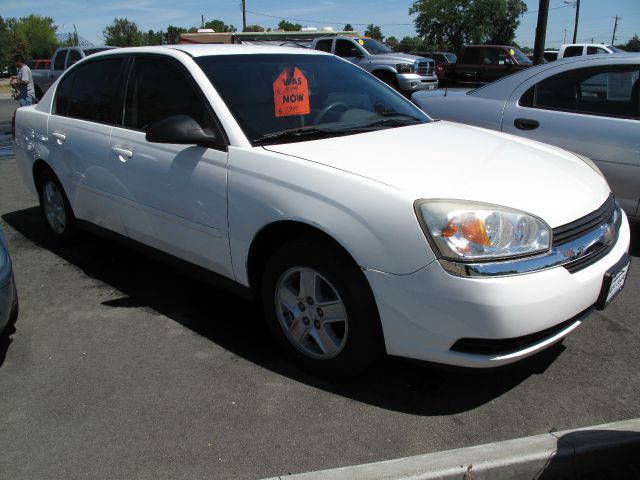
(291, 93)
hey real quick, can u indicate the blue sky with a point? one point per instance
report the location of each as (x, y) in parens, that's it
(91, 16)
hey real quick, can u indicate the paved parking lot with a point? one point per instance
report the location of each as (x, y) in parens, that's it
(122, 367)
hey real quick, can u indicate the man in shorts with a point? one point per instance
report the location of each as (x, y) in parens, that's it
(23, 82)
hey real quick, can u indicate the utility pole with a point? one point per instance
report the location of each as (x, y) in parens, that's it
(575, 29)
(615, 27)
(244, 16)
(565, 36)
(541, 32)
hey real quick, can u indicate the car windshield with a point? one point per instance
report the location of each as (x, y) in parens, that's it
(373, 46)
(281, 98)
(519, 56)
(615, 49)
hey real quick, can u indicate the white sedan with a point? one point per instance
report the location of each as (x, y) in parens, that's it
(359, 224)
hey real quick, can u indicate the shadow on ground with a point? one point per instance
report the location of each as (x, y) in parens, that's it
(393, 384)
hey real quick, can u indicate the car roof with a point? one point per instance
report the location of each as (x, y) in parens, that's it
(502, 88)
(203, 50)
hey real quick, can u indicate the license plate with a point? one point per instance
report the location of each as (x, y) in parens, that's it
(613, 282)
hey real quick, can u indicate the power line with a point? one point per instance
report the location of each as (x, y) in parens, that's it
(553, 8)
(326, 21)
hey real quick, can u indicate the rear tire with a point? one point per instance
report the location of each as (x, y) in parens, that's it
(56, 209)
(320, 309)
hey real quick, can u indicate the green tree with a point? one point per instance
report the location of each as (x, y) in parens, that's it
(220, 26)
(289, 27)
(172, 36)
(374, 32)
(11, 41)
(410, 44)
(458, 22)
(254, 28)
(633, 45)
(392, 43)
(153, 38)
(501, 30)
(40, 35)
(347, 28)
(122, 32)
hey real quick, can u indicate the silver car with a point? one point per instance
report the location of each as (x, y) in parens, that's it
(589, 105)
(8, 295)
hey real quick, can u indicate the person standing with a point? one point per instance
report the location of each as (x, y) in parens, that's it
(23, 82)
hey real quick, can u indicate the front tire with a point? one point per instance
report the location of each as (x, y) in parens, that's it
(55, 208)
(320, 309)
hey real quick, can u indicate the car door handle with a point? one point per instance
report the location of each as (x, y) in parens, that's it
(122, 153)
(60, 137)
(526, 124)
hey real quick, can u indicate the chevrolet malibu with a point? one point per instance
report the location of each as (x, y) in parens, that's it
(359, 224)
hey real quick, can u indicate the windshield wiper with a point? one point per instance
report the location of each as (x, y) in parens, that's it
(391, 113)
(393, 120)
(297, 133)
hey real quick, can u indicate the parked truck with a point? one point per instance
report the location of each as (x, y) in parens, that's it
(62, 59)
(406, 73)
(478, 64)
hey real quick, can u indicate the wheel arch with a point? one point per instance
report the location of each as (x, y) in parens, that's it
(38, 167)
(274, 235)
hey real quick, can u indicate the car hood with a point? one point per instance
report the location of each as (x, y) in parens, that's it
(399, 58)
(449, 160)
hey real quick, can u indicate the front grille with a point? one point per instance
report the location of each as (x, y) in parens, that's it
(566, 233)
(575, 229)
(425, 68)
(504, 346)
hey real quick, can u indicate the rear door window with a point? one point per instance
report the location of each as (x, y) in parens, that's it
(94, 92)
(63, 94)
(572, 52)
(612, 91)
(58, 62)
(74, 56)
(324, 45)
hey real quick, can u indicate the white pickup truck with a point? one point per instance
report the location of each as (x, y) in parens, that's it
(578, 49)
(406, 73)
(62, 59)
(359, 224)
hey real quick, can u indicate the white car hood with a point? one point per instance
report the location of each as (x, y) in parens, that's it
(450, 160)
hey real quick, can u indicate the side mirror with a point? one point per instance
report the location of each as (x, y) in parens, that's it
(354, 52)
(508, 61)
(180, 129)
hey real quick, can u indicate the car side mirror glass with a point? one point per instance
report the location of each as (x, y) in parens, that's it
(179, 129)
(508, 61)
(356, 53)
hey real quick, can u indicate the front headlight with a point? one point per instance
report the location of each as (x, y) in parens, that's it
(404, 68)
(463, 230)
